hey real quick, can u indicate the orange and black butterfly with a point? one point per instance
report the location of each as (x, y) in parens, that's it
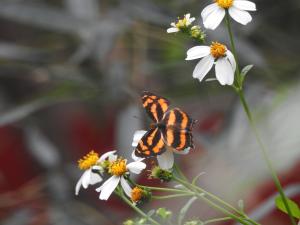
(171, 127)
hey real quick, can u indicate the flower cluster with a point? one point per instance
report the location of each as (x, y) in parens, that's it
(184, 25)
(110, 164)
(216, 54)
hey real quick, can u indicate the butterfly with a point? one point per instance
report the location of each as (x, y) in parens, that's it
(170, 127)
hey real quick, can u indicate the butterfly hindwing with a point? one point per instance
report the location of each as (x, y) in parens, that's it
(177, 132)
(151, 144)
(178, 139)
(156, 106)
(178, 119)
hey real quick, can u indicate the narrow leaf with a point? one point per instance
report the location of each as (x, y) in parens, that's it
(210, 79)
(184, 210)
(246, 69)
(292, 205)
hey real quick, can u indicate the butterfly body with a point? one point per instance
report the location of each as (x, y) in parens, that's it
(171, 127)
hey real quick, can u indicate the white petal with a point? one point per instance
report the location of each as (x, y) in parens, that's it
(166, 160)
(197, 52)
(240, 16)
(106, 155)
(78, 185)
(208, 10)
(86, 177)
(183, 152)
(108, 187)
(203, 66)
(191, 20)
(95, 178)
(187, 16)
(137, 136)
(173, 24)
(231, 59)
(224, 72)
(134, 157)
(244, 5)
(213, 20)
(136, 167)
(127, 189)
(172, 30)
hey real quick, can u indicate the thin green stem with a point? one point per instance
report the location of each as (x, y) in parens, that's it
(211, 203)
(217, 220)
(172, 196)
(265, 155)
(252, 122)
(126, 200)
(214, 197)
(163, 189)
(237, 72)
(180, 173)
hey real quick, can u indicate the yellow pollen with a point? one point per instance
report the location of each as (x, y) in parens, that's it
(181, 23)
(217, 50)
(226, 4)
(136, 194)
(118, 167)
(88, 160)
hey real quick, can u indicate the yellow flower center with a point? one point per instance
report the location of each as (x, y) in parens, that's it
(226, 4)
(181, 23)
(136, 194)
(217, 50)
(88, 160)
(118, 167)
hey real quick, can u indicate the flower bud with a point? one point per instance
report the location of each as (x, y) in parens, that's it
(163, 175)
(197, 33)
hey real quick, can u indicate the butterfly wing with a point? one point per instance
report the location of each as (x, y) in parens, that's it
(178, 139)
(178, 129)
(178, 119)
(151, 144)
(155, 105)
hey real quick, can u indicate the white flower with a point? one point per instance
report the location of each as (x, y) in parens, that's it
(181, 24)
(89, 163)
(213, 14)
(166, 159)
(217, 54)
(118, 168)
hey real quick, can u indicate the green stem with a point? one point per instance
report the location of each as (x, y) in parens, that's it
(209, 202)
(237, 71)
(217, 220)
(126, 200)
(252, 123)
(163, 189)
(172, 196)
(179, 172)
(214, 197)
(265, 155)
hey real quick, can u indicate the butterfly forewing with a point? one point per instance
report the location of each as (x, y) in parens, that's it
(151, 144)
(155, 105)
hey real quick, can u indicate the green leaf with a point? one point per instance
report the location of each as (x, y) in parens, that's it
(151, 213)
(246, 69)
(210, 79)
(241, 205)
(163, 213)
(184, 210)
(292, 205)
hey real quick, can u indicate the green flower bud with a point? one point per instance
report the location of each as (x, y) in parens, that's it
(197, 33)
(163, 175)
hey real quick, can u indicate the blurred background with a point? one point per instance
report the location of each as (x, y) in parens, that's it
(71, 72)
